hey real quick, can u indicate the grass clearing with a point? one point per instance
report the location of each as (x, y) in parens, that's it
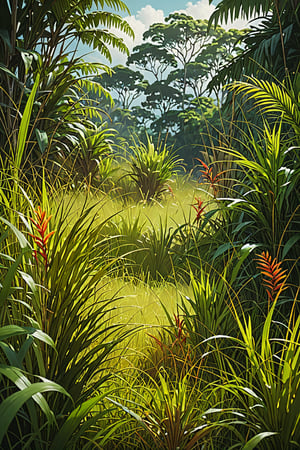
(141, 308)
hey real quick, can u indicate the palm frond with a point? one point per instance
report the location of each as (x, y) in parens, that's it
(104, 19)
(245, 9)
(272, 98)
(101, 40)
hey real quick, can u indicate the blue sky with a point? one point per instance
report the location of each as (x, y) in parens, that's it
(167, 6)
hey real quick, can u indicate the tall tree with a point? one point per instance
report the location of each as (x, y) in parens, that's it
(161, 97)
(127, 84)
(183, 37)
(152, 58)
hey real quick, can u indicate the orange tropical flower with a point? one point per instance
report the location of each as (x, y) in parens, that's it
(274, 277)
(41, 237)
(207, 174)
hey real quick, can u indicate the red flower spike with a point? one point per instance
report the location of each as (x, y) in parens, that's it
(40, 224)
(179, 336)
(274, 277)
(198, 208)
(207, 174)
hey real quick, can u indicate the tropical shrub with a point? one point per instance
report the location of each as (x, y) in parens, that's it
(267, 389)
(171, 413)
(27, 416)
(90, 162)
(151, 169)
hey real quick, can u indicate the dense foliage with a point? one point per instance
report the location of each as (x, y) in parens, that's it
(87, 209)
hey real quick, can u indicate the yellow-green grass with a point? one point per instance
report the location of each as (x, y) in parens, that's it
(174, 209)
(138, 305)
(142, 309)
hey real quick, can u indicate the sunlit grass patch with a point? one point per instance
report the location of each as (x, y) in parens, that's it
(174, 208)
(142, 308)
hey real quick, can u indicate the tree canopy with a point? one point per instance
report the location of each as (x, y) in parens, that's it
(42, 38)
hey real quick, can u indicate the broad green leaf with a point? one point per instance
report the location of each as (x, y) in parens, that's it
(23, 130)
(21, 381)
(27, 58)
(73, 421)
(8, 72)
(257, 439)
(222, 249)
(20, 236)
(8, 331)
(42, 139)
(290, 243)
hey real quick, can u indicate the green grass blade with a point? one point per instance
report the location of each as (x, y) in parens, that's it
(73, 421)
(257, 439)
(23, 130)
(11, 405)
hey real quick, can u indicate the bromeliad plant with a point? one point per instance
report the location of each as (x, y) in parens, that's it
(274, 277)
(151, 168)
(40, 224)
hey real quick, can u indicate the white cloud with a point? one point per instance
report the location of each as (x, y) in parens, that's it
(203, 10)
(200, 10)
(148, 15)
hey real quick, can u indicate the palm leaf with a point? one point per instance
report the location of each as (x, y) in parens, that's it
(272, 98)
(245, 9)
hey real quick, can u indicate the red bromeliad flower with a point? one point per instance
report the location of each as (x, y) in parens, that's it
(208, 176)
(41, 237)
(198, 208)
(274, 277)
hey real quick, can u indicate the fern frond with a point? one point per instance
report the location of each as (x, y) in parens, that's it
(93, 86)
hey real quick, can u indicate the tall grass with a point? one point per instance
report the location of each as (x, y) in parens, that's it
(171, 322)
